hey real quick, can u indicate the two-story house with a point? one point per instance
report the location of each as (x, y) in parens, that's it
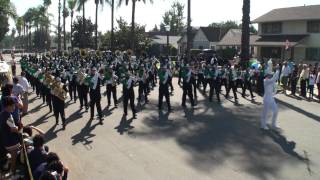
(290, 33)
(207, 38)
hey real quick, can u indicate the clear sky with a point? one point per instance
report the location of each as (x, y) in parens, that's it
(203, 12)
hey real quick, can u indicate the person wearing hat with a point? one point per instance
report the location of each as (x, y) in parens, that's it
(269, 103)
(128, 94)
(111, 81)
(187, 86)
(164, 87)
(232, 77)
(59, 104)
(143, 84)
(72, 85)
(95, 94)
(247, 83)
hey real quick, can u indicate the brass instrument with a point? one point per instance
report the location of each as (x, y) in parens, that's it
(59, 92)
(81, 77)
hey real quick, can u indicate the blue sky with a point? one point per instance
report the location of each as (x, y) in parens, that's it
(204, 12)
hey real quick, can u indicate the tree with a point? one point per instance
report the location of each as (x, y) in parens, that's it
(82, 38)
(41, 40)
(155, 29)
(122, 37)
(19, 26)
(81, 5)
(174, 19)
(226, 25)
(59, 27)
(7, 10)
(71, 6)
(65, 14)
(245, 38)
(112, 24)
(97, 2)
(132, 37)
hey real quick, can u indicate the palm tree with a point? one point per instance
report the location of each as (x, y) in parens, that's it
(189, 31)
(245, 38)
(71, 6)
(59, 28)
(65, 15)
(112, 24)
(19, 26)
(132, 41)
(81, 4)
(97, 2)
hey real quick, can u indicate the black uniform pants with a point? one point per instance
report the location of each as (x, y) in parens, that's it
(128, 95)
(73, 91)
(143, 90)
(112, 90)
(58, 109)
(247, 85)
(97, 103)
(164, 91)
(83, 95)
(187, 90)
(232, 85)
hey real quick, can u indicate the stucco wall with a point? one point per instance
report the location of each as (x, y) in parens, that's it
(294, 27)
(200, 40)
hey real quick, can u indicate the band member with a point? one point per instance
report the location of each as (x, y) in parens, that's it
(269, 102)
(215, 84)
(247, 83)
(95, 94)
(111, 81)
(83, 90)
(72, 85)
(128, 94)
(187, 86)
(58, 103)
(164, 88)
(303, 80)
(143, 84)
(232, 77)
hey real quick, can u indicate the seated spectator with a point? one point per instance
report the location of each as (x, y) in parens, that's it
(9, 130)
(42, 168)
(38, 155)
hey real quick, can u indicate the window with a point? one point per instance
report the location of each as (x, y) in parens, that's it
(313, 27)
(272, 28)
(313, 54)
(200, 47)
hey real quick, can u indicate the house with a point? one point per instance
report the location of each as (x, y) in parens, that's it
(290, 33)
(232, 39)
(207, 38)
(182, 43)
(159, 42)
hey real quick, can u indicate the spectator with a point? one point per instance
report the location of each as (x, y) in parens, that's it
(38, 155)
(312, 79)
(7, 91)
(25, 84)
(17, 89)
(9, 130)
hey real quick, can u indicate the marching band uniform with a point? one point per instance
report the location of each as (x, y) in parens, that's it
(72, 85)
(95, 94)
(187, 87)
(232, 83)
(164, 88)
(111, 81)
(143, 84)
(128, 95)
(59, 105)
(83, 90)
(247, 83)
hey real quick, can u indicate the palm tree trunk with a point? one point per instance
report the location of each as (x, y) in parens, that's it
(71, 30)
(189, 31)
(245, 38)
(112, 25)
(96, 30)
(59, 29)
(132, 26)
(83, 26)
(64, 26)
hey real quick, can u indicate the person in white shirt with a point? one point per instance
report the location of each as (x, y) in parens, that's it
(312, 80)
(285, 73)
(269, 102)
(25, 84)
